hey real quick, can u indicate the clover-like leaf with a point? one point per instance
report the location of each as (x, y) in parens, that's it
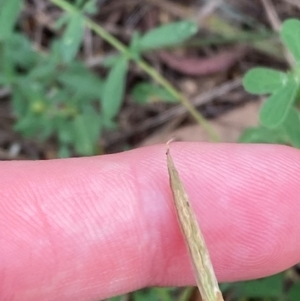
(276, 107)
(264, 80)
(262, 134)
(291, 127)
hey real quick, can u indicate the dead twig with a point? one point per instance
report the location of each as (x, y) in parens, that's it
(205, 276)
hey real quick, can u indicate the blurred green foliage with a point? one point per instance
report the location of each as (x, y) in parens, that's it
(55, 95)
(273, 288)
(279, 115)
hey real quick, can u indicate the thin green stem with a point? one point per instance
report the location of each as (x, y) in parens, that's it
(144, 66)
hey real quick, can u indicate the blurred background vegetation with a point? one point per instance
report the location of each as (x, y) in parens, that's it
(88, 77)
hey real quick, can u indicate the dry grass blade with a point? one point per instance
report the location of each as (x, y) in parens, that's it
(205, 276)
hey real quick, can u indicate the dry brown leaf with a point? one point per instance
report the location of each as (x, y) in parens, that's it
(205, 275)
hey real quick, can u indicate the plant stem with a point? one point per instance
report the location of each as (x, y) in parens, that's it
(144, 66)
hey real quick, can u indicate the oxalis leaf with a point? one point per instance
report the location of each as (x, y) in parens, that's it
(276, 107)
(264, 80)
(168, 35)
(203, 268)
(290, 35)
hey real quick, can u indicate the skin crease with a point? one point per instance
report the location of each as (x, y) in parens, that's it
(90, 228)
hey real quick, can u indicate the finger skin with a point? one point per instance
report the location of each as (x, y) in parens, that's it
(89, 228)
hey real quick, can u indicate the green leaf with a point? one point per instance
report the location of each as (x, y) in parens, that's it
(168, 35)
(64, 151)
(32, 91)
(7, 65)
(116, 298)
(290, 35)
(46, 128)
(65, 132)
(147, 93)
(55, 53)
(224, 287)
(294, 292)
(72, 37)
(263, 135)
(81, 81)
(79, 3)
(19, 103)
(114, 88)
(134, 46)
(59, 23)
(9, 12)
(154, 294)
(276, 107)
(87, 129)
(44, 71)
(262, 288)
(264, 80)
(90, 7)
(28, 125)
(291, 126)
(110, 60)
(21, 51)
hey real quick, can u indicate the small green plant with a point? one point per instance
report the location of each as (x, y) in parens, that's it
(279, 116)
(54, 95)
